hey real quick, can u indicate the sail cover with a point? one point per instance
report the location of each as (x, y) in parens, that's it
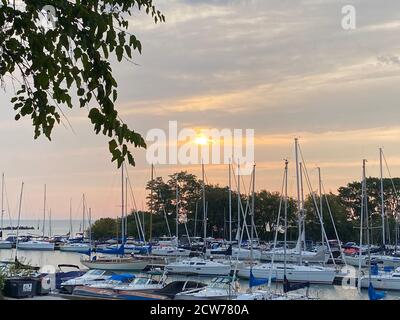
(373, 294)
(287, 286)
(255, 282)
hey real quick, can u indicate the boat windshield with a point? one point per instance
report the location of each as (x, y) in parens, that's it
(95, 272)
(140, 281)
(221, 283)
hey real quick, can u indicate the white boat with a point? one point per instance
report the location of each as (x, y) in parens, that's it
(142, 284)
(294, 273)
(221, 288)
(354, 260)
(263, 295)
(198, 266)
(383, 280)
(36, 245)
(113, 281)
(116, 264)
(237, 253)
(387, 261)
(293, 255)
(75, 247)
(5, 244)
(90, 277)
(168, 251)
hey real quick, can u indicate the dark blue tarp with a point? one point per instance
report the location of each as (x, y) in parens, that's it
(118, 251)
(254, 282)
(374, 270)
(375, 295)
(123, 277)
(287, 286)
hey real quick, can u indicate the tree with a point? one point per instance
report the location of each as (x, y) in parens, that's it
(104, 229)
(47, 64)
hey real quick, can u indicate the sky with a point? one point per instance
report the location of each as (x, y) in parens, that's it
(285, 68)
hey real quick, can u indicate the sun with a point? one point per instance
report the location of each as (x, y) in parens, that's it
(201, 140)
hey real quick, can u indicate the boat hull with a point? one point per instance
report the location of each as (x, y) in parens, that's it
(5, 245)
(383, 283)
(318, 276)
(198, 270)
(116, 265)
(36, 246)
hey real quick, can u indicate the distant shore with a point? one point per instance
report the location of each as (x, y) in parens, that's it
(20, 228)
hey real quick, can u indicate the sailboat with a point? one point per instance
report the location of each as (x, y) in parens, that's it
(200, 266)
(119, 263)
(39, 244)
(286, 271)
(4, 244)
(77, 247)
(257, 279)
(374, 279)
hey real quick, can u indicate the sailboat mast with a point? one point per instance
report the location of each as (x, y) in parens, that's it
(252, 213)
(126, 207)
(286, 217)
(44, 211)
(230, 203)
(238, 202)
(296, 142)
(382, 198)
(90, 227)
(177, 214)
(70, 217)
(2, 204)
(203, 187)
(50, 231)
(321, 207)
(122, 204)
(367, 222)
(361, 225)
(19, 221)
(152, 203)
(303, 233)
(83, 215)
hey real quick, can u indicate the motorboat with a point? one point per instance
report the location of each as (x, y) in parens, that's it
(90, 277)
(142, 283)
(294, 273)
(196, 266)
(220, 288)
(36, 245)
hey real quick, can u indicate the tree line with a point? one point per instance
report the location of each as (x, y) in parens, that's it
(182, 193)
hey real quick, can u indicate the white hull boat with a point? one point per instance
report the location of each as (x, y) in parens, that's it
(141, 284)
(90, 277)
(170, 252)
(293, 256)
(383, 280)
(220, 289)
(294, 273)
(75, 247)
(116, 264)
(36, 245)
(5, 244)
(198, 267)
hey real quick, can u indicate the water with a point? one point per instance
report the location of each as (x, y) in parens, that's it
(54, 258)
